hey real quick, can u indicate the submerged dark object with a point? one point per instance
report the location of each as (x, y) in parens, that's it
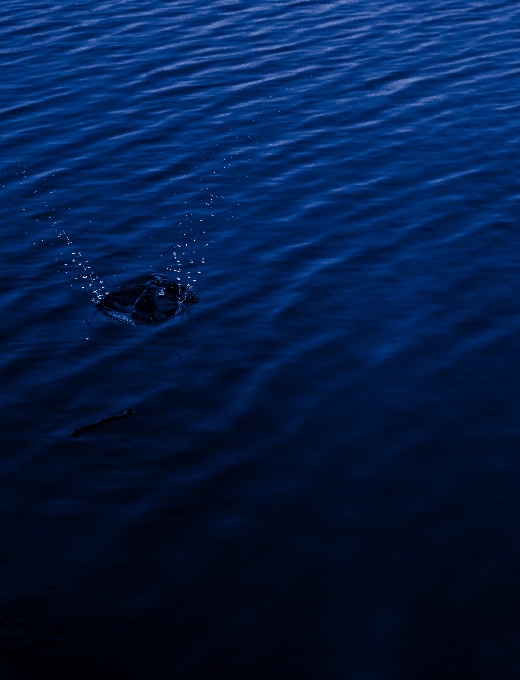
(156, 300)
(103, 421)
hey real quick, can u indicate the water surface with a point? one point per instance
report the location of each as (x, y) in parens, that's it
(321, 475)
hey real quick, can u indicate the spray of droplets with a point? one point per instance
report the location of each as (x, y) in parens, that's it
(79, 269)
(185, 252)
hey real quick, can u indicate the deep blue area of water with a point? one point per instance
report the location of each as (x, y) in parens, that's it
(321, 475)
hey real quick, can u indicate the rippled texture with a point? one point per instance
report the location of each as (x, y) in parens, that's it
(320, 478)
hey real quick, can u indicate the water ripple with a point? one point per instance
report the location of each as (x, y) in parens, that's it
(339, 182)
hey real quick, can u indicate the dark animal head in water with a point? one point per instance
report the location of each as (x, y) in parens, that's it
(157, 300)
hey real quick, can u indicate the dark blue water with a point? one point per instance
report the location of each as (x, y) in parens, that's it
(321, 475)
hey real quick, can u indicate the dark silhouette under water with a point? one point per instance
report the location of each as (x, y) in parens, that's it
(156, 300)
